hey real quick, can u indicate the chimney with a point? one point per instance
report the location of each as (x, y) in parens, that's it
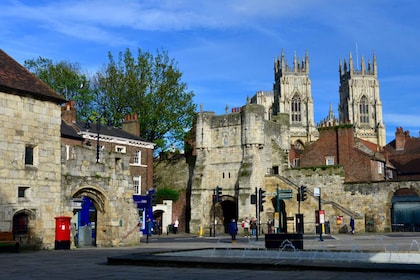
(68, 112)
(131, 124)
(400, 138)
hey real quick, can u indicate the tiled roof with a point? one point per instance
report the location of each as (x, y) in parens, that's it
(106, 130)
(68, 131)
(16, 79)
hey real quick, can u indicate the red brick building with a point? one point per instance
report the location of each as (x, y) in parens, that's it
(362, 160)
(403, 153)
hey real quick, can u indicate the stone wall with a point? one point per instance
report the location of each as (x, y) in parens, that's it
(27, 122)
(108, 184)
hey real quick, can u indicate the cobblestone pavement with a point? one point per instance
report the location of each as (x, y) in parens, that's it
(91, 263)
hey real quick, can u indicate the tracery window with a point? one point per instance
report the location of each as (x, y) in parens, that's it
(364, 110)
(296, 109)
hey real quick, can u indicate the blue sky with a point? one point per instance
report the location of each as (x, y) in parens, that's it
(226, 49)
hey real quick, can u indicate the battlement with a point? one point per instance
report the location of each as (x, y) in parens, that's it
(281, 66)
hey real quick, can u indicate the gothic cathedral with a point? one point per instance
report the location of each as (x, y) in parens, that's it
(292, 96)
(360, 103)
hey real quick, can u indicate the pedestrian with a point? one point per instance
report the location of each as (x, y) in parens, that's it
(176, 224)
(351, 225)
(233, 230)
(245, 226)
(270, 226)
(149, 227)
(253, 227)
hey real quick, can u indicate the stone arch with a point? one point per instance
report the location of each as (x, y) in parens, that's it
(95, 232)
(226, 210)
(97, 196)
(20, 226)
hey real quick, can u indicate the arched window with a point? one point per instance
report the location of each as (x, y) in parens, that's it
(295, 110)
(364, 110)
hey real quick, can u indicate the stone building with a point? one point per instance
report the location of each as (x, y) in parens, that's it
(262, 145)
(360, 103)
(103, 167)
(53, 166)
(30, 155)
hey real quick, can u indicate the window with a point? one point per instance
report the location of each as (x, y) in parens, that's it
(68, 152)
(364, 110)
(137, 157)
(137, 185)
(22, 191)
(390, 175)
(296, 110)
(380, 167)
(120, 149)
(29, 155)
(329, 160)
(296, 162)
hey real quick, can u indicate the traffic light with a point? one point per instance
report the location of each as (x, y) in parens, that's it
(261, 199)
(218, 194)
(303, 193)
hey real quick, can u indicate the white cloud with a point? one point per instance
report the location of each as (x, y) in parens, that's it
(406, 121)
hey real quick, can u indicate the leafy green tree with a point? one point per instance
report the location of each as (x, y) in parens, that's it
(151, 86)
(167, 194)
(65, 78)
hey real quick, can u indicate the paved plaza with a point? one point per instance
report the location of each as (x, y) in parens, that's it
(192, 257)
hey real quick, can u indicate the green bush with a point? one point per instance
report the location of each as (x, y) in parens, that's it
(166, 194)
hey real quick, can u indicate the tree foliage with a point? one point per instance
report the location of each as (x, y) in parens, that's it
(151, 86)
(167, 194)
(147, 85)
(65, 78)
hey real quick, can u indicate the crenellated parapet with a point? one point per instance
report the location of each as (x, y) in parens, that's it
(281, 65)
(347, 69)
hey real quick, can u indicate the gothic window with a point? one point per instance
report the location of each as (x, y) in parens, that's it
(296, 110)
(364, 110)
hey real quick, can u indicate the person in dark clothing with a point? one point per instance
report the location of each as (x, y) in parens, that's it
(233, 230)
(351, 225)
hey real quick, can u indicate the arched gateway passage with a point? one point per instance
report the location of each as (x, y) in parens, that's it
(226, 210)
(86, 218)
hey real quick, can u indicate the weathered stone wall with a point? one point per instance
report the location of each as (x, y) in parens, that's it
(29, 122)
(108, 184)
(234, 151)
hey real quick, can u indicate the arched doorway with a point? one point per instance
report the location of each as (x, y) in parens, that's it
(157, 221)
(230, 211)
(222, 213)
(21, 229)
(405, 211)
(85, 218)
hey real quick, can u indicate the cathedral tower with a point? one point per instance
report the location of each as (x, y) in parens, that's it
(360, 103)
(292, 95)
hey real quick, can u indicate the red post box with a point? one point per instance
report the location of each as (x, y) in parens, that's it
(62, 233)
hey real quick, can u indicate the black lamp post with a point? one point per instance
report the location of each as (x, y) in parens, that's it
(98, 128)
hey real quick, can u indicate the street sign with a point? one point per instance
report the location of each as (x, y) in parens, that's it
(285, 195)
